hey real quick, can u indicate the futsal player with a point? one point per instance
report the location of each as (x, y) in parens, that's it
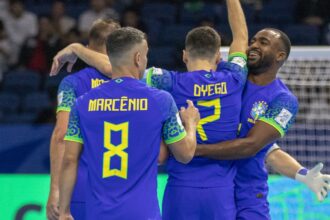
(268, 110)
(69, 90)
(121, 124)
(218, 95)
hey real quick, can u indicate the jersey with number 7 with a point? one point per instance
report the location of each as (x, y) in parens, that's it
(218, 96)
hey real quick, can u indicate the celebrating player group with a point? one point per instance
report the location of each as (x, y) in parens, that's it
(215, 127)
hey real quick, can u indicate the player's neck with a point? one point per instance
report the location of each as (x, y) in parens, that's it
(124, 71)
(263, 78)
(200, 65)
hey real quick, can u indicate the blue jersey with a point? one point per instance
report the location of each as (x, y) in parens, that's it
(275, 105)
(70, 89)
(217, 95)
(121, 124)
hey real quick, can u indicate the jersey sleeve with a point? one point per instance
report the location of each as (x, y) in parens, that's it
(159, 78)
(237, 64)
(66, 95)
(74, 133)
(281, 113)
(173, 130)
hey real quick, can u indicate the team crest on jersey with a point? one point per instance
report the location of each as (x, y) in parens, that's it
(258, 109)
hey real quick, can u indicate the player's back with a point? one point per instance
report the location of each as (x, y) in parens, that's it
(217, 95)
(72, 87)
(121, 124)
(273, 104)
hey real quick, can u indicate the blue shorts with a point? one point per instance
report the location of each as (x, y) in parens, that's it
(78, 210)
(252, 204)
(191, 203)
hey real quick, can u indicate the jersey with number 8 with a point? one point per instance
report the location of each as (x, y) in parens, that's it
(121, 124)
(217, 95)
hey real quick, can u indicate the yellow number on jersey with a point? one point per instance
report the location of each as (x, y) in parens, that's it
(115, 150)
(216, 115)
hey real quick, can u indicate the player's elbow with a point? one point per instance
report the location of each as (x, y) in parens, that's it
(184, 158)
(68, 161)
(188, 154)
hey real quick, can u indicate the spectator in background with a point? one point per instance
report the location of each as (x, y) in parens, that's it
(19, 24)
(131, 18)
(3, 7)
(313, 12)
(61, 22)
(98, 10)
(37, 51)
(5, 50)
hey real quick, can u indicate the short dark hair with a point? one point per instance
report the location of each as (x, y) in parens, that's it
(285, 41)
(203, 42)
(123, 40)
(101, 29)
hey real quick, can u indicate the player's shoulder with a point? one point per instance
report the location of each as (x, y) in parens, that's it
(283, 92)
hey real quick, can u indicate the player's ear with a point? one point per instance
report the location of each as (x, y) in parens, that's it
(281, 56)
(218, 58)
(184, 56)
(137, 59)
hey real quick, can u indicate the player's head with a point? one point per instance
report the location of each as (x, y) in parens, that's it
(128, 48)
(99, 32)
(202, 43)
(268, 49)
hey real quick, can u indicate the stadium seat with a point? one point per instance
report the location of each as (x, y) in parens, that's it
(193, 16)
(164, 57)
(9, 103)
(36, 102)
(174, 35)
(303, 34)
(21, 82)
(19, 118)
(153, 30)
(163, 12)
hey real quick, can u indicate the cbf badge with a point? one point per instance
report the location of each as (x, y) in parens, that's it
(258, 110)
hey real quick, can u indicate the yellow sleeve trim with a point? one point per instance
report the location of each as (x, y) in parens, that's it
(237, 54)
(274, 124)
(177, 138)
(63, 109)
(74, 139)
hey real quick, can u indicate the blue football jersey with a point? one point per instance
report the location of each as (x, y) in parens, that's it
(217, 95)
(275, 105)
(70, 88)
(121, 124)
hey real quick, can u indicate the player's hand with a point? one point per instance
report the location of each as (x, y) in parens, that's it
(319, 183)
(66, 217)
(64, 56)
(190, 114)
(52, 206)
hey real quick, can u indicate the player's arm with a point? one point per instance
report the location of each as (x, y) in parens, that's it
(277, 120)
(73, 148)
(286, 165)
(238, 27)
(159, 78)
(66, 97)
(56, 156)
(163, 153)
(181, 140)
(70, 53)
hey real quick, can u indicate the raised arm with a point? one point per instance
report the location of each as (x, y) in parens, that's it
(238, 27)
(70, 54)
